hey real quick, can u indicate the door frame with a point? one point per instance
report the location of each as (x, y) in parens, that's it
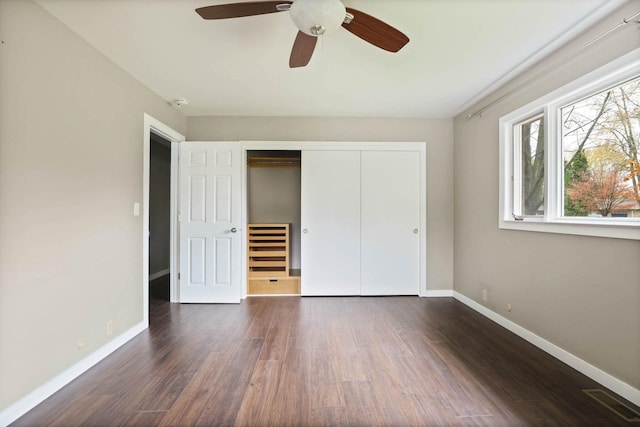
(151, 124)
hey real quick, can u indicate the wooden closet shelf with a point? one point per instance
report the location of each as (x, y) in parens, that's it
(268, 244)
(269, 232)
(267, 264)
(254, 253)
(265, 272)
(273, 162)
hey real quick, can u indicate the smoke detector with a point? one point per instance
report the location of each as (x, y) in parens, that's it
(180, 102)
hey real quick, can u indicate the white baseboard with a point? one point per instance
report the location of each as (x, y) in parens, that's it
(37, 396)
(438, 293)
(159, 274)
(617, 386)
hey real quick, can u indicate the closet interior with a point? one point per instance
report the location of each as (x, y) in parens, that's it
(273, 229)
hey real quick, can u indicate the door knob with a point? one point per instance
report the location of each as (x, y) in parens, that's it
(415, 231)
(233, 230)
(305, 231)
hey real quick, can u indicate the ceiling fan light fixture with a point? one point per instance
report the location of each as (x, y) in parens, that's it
(317, 17)
(317, 30)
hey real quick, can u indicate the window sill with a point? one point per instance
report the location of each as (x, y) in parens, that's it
(586, 227)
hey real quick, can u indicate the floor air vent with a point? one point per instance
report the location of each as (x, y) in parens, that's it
(627, 413)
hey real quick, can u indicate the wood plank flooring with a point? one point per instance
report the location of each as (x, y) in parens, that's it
(291, 361)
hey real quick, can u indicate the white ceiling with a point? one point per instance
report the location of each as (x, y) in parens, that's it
(459, 49)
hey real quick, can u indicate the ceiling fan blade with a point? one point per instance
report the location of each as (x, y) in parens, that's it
(302, 50)
(236, 10)
(375, 31)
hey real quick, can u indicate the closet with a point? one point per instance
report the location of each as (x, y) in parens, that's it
(273, 216)
(355, 220)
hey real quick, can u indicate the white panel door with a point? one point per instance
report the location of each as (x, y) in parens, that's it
(210, 209)
(390, 222)
(330, 217)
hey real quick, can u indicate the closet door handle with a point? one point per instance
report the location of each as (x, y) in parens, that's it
(233, 230)
(305, 231)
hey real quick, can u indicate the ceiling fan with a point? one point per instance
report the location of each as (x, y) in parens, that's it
(314, 18)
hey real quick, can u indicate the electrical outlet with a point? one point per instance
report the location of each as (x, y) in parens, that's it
(485, 297)
(80, 344)
(509, 307)
(109, 327)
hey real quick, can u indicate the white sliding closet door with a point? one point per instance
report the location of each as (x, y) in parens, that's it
(330, 223)
(390, 223)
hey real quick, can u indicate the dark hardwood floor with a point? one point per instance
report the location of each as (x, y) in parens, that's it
(291, 361)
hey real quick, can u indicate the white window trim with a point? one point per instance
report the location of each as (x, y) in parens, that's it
(612, 73)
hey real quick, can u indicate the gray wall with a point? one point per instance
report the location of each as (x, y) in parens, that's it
(580, 293)
(273, 196)
(71, 149)
(437, 132)
(159, 205)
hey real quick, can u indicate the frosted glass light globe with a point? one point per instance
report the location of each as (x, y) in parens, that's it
(317, 17)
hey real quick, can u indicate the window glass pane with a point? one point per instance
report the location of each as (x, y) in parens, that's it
(532, 166)
(600, 142)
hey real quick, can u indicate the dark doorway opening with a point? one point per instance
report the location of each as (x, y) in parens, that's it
(159, 218)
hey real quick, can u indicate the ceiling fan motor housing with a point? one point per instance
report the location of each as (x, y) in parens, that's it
(317, 17)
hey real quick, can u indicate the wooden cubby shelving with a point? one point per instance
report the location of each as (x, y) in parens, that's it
(268, 250)
(268, 263)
